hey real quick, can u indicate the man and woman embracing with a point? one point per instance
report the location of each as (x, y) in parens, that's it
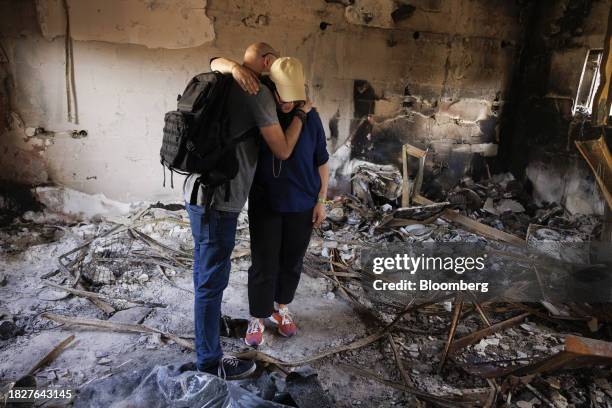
(284, 175)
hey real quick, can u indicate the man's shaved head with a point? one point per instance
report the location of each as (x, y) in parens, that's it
(259, 56)
(259, 49)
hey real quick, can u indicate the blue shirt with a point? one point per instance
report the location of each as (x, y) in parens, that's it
(293, 185)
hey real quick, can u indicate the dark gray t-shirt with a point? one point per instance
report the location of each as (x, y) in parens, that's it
(246, 112)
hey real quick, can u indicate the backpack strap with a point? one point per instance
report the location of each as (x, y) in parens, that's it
(208, 196)
(193, 200)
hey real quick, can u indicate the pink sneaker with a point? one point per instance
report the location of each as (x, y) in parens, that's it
(286, 326)
(254, 334)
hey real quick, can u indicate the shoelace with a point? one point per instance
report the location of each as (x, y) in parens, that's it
(227, 360)
(285, 316)
(254, 326)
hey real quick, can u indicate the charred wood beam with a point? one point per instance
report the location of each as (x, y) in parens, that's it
(603, 96)
(487, 331)
(458, 305)
(578, 352)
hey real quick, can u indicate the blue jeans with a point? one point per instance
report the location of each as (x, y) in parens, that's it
(214, 241)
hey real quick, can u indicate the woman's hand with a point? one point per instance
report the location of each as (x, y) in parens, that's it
(307, 107)
(246, 78)
(318, 215)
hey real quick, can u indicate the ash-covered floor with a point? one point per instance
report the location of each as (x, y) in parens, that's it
(31, 253)
(136, 260)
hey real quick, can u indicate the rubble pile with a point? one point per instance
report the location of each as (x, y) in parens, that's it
(483, 343)
(370, 181)
(125, 255)
(504, 203)
(452, 351)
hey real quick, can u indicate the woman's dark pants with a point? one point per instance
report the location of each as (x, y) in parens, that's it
(278, 245)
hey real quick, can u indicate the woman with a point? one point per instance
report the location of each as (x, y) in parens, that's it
(286, 201)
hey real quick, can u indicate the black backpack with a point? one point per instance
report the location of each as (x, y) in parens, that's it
(196, 135)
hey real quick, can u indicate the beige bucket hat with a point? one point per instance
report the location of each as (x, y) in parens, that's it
(288, 76)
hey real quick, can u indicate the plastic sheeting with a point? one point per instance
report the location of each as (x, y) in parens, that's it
(171, 386)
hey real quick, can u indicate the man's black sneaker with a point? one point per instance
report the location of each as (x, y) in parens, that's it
(231, 368)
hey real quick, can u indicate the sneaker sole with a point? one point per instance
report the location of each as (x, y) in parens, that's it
(257, 345)
(278, 329)
(243, 375)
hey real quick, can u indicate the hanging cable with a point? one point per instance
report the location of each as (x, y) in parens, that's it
(71, 98)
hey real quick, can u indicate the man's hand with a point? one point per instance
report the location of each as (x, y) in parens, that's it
(318, 215)
(246, 78)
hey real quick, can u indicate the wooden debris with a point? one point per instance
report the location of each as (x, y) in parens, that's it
(410, 191)
(99, 303)
(578, 352)
(357, 344)
(65, 264)
(140, 328)
(603, 95)
(487, 331)
(541, 397)
(118, 327)
(458, 305)
(92, 295)
(28, 379)
(162, 272)
(425, 214)
(492, 399)
(343, 274)
(339, 271)
(479, 309)
(470, 399)
(473, 225)
(398, 361)
(52, 355)
(154, 243)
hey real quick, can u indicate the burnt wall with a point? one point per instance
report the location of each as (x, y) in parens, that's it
(538, 132)
(450, 101)
(434, 73)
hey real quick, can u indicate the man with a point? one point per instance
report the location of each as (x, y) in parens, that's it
(213, 224)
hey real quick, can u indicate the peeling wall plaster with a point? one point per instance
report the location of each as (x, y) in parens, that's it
(152, 23)
(372, 13)
(450, 63)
